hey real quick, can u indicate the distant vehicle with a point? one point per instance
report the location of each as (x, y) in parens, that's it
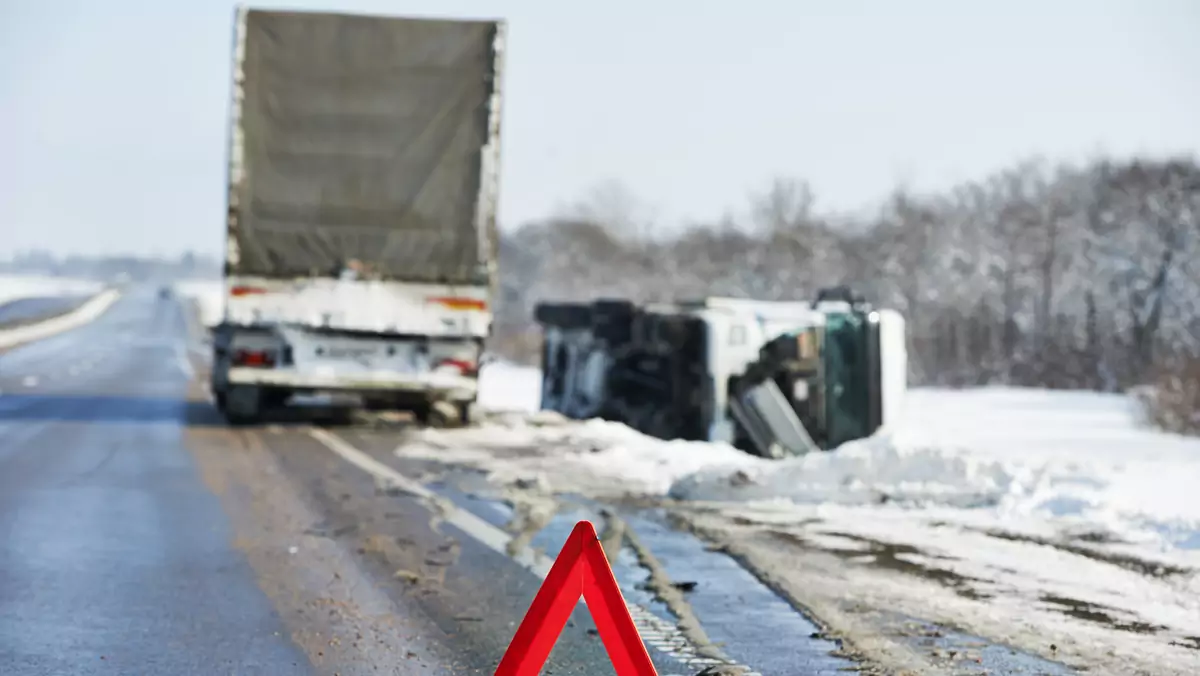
(772, 378)
(361, 212)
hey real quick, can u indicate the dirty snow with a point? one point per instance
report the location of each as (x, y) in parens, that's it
(18, 287)
(1066, 457)
(1024, 515)
(594, 457)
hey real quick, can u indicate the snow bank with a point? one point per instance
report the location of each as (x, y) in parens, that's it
(1067, 456)
(89, 311)
(593, 457)
(1027, 516)
(209, 295)
(18, 287)
(867, 472)
(506, 387)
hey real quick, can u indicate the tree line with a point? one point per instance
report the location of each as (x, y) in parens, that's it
(1082, 276)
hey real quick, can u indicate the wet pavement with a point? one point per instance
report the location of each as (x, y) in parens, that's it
(114, 558)
(730, 605)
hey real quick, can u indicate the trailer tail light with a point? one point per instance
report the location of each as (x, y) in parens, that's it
(456, 303)
(254, 358)
(238, 291)
(462, 366)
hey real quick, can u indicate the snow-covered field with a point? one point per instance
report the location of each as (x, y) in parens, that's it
(1053, 521)
(18, 287)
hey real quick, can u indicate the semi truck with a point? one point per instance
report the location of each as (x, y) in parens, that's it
(772, 378)
(361, 222)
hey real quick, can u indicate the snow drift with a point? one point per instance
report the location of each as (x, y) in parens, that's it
(18, 287)
(1013, 452)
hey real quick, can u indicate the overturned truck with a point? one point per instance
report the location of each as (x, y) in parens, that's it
(772, 378)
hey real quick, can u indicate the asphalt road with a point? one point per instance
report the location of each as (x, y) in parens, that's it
(114, 558)
(139, 534)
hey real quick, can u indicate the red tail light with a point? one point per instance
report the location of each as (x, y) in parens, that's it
(462, 366)
(246, 291)
(254, 358)
(456, 303)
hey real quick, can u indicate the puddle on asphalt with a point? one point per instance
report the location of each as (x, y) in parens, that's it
(968, 654)
(1096, 613)
(892, 556)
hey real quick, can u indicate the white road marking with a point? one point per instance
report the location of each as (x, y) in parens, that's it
(667, 638)
(184, 361)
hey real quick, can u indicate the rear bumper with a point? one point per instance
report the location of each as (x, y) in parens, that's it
(442, 386)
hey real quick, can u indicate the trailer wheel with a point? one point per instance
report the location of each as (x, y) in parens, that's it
(468, 412)
(444, 414)
(243, 405)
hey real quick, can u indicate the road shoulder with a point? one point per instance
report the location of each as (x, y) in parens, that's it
(323, 596)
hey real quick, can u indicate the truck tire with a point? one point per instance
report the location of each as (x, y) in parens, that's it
(274, 398)
(444, 414)
(243, 405)
(468, 413)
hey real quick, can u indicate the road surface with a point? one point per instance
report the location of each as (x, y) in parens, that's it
(139, 534)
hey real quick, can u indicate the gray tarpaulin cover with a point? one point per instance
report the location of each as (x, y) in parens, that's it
(361, 141)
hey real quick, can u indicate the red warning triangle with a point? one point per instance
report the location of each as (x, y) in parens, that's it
(581, 569)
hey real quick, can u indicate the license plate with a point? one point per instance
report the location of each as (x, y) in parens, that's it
(395, 358)
(351, 352)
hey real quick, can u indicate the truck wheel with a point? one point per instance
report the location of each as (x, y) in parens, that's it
(468, 412)
(444, 414)
(243, 405)
(274, 398)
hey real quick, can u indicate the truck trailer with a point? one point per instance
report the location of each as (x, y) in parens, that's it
(361, 223)
(772, 378)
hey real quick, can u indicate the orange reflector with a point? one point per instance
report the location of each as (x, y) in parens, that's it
(253, 358)
(460, 303)
(462, 366)
(245, 291)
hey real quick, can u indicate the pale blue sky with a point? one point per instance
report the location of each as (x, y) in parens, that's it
(113, 113)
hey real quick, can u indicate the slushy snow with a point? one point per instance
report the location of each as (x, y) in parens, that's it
(1027, 516)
